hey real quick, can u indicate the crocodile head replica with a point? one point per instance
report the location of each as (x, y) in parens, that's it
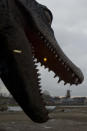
(27, 35)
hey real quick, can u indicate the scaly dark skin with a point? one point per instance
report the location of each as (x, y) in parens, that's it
(26, 34)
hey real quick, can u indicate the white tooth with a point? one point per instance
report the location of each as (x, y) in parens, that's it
(45, 40)
(51, 49)
(76, 80)
(65, 83)
(62, 63)
(33, 57)
(54, 52)
(47, 44)
(68, 69)
(35, 60)
(59, 59)
(59, 80)
(56, 56)
(73, 74)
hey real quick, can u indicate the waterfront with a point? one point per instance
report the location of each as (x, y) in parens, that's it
(60, 120)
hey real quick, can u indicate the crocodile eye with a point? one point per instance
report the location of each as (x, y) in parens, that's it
(48, 15)
(45, 59)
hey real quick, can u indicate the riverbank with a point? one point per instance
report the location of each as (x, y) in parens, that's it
(59, 121)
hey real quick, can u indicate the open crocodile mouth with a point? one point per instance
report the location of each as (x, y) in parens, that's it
(43, 52)
(48, 56)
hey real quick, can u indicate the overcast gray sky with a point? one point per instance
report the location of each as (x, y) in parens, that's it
(70, 27)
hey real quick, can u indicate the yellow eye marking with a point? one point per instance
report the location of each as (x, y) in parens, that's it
(45, 59)
(17, 51)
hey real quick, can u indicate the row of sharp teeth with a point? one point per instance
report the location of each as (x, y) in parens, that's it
(73, 75)
(53, 51)
(39, 85)
(36, 71)
(59, 59)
